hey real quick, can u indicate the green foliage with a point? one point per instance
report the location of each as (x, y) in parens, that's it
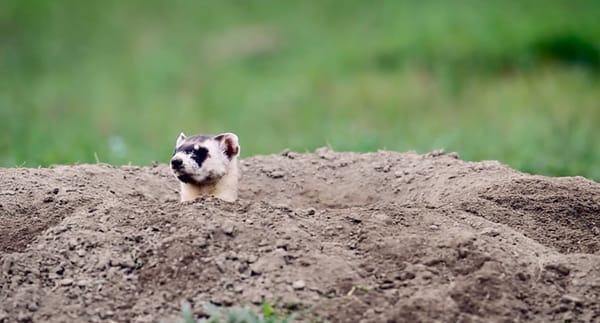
(236, 315)
(516, 81)
(569, 49)
(187, 313)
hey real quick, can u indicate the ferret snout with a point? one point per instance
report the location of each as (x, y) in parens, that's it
(176, 163)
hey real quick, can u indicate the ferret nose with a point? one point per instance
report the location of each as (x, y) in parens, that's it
(176, 163)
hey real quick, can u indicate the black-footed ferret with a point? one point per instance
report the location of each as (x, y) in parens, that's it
(207, 165)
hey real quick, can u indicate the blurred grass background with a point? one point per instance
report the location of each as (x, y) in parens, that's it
(515, 81)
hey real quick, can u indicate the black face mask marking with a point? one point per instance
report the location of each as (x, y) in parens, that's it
(199, 155)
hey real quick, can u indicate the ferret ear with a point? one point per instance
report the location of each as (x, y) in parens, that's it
(229, 143)
(180, 139)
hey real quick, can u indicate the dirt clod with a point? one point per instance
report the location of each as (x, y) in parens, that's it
(299, 284)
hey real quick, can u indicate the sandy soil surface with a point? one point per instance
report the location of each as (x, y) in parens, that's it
(343, 237)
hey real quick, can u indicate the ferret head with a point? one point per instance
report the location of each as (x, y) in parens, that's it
(203, 159)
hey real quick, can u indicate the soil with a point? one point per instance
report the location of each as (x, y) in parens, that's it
(340, 237)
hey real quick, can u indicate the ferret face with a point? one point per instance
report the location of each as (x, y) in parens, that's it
(203, 159)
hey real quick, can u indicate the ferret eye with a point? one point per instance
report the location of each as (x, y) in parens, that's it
(201, 151)
(200, 155)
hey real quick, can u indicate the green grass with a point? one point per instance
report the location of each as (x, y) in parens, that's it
(267, 314)
(513, 81)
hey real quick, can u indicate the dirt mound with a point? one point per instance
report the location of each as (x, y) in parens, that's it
(344, 237)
